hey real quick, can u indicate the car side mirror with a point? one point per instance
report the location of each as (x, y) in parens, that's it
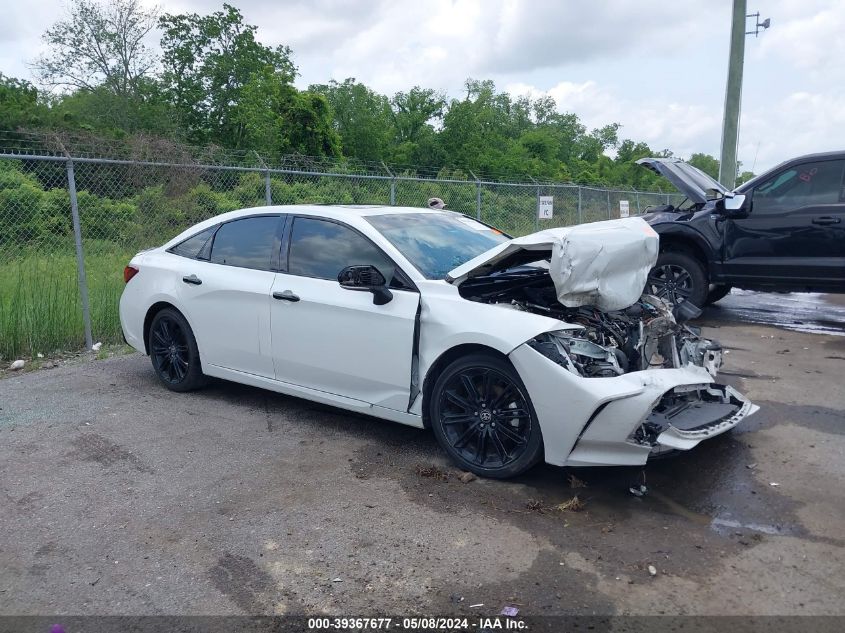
(366, 277)
(734, 207)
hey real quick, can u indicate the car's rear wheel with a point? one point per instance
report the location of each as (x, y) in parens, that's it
(678, 277)
(174, 352)
(719, 291)
(482, 416)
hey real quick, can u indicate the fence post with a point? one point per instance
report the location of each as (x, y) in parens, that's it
(580, 219)
(608, 204)
(536, 207)
(392, 184)
(268, 190)
(477, 196)
(638, 202)
(80, 258)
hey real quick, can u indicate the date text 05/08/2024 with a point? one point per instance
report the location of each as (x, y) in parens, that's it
(416, 624)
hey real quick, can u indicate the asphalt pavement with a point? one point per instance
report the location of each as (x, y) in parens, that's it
(119, 497)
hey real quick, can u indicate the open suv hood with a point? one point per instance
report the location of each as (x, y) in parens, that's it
(689, 180)
(601, 264)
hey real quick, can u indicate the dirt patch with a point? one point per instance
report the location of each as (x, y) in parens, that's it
(92, 447)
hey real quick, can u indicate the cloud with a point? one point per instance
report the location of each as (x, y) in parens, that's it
(657, 68)
(544, 34)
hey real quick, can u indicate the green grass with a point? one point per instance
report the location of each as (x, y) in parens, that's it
(40, 305)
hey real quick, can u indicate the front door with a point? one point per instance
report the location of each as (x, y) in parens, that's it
(334, 339)
(795, 231)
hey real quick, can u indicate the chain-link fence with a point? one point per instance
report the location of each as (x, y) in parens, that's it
(69, 225)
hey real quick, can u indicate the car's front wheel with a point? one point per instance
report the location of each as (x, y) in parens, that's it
(482, 416)
(678, 277)
(174, 352)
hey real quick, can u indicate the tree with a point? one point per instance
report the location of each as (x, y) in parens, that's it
(98, 46)
(705, 163)
(208, 60)
(278, 119)
(362, 118)
(19, 105)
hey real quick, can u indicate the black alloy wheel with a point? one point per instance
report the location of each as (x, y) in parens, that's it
(678, 277)
(484, 418)
(672, 283)
(173, 351)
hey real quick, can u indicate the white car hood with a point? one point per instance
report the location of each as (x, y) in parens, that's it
(602, 264)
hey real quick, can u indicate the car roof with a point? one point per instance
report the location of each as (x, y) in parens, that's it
(348, 212)
(337, 211)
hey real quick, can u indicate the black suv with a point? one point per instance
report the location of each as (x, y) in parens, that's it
(782, 231)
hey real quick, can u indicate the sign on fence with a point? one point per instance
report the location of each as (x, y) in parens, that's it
(545, 207)
(624, 209)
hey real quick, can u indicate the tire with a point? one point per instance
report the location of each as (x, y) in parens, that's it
(174, 352)
(470, 398)
(679, 277)
(720, 291)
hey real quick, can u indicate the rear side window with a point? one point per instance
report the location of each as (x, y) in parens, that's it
(196, 246)
(800, 186)
(322, 249)
(247, 243)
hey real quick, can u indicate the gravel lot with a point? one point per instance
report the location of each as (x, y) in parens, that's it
(119, 497)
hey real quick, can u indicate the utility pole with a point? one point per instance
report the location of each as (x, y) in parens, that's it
(733, 91)
(733, 97)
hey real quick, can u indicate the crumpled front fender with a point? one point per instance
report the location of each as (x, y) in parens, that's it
(588, 421)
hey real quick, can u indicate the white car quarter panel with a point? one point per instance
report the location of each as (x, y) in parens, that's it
(338, 341)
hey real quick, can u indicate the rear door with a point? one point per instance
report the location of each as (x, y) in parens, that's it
(226, 294)
(334, 339)
(794, 234)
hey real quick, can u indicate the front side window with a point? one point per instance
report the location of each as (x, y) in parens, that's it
(319, 248)
(800, 186)
(248, 243)
(435, 243)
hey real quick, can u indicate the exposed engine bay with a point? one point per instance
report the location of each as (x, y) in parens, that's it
(645, 335)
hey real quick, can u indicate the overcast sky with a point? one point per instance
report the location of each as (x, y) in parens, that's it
(658, 68)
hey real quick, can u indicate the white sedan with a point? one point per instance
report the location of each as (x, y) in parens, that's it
(511, 350)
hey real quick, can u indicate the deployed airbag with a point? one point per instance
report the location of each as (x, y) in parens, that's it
(601, 264)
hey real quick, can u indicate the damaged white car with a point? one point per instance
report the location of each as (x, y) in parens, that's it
(511, 350)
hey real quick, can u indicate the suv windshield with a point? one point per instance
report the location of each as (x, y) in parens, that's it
(435, 243)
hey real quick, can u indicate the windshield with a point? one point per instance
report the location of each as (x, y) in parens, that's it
(435, 243)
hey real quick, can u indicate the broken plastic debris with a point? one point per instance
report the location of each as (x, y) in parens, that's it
(774, 483)
(573, 505)
(473, 606)
(652, 570)
(638, 491)
(96, 347)
(509, 611)
(467, 477)
(337, 579)
(18, 364)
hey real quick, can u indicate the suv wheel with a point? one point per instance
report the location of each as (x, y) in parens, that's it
(678, 277)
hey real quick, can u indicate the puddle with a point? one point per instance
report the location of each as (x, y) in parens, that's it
(810, 312)
(722, 526)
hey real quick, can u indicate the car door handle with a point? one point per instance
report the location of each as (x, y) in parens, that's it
(826, 219)
(287, 295)
(193, 280)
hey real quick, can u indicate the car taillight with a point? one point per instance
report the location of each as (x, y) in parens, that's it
(128, 273)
